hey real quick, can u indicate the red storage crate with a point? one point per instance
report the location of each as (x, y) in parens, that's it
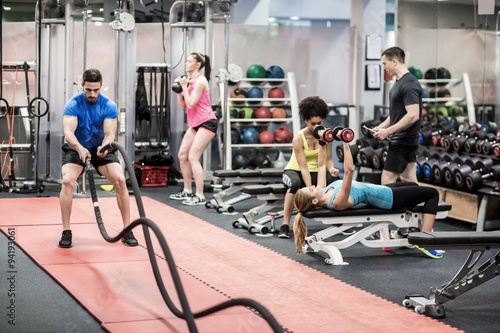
(151, 175)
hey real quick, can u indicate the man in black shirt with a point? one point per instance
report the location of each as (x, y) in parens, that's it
(403, 123)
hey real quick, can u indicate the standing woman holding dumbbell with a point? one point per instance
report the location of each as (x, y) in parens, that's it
(194, 97)
(302, 169)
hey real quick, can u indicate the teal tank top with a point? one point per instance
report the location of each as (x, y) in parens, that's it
(378, 196)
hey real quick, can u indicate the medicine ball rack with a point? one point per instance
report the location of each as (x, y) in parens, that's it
(449, 83)
(290, 100)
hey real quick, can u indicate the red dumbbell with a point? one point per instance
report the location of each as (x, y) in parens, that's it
(323, 134)
(343, 134)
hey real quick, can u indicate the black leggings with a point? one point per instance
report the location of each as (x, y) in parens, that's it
(408, 195)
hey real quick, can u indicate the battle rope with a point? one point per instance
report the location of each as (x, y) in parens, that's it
(147, 224)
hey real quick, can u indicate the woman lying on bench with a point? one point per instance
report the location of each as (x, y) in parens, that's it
(347, 193)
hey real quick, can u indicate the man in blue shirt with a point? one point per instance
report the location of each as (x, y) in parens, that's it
(90, 122)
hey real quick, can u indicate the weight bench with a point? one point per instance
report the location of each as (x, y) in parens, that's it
(472, 274)
(373, 220)
(274, 196)
(236, 180)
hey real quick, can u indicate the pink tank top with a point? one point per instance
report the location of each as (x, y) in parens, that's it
(202, 111)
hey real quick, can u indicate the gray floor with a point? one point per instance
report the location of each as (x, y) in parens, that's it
(43, 306)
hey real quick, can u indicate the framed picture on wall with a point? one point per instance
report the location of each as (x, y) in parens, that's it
(373, 47)
(373, 80)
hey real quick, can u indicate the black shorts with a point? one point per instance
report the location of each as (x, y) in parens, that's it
(210, 125)
(71, 156)
(398, 157)
(294, 182)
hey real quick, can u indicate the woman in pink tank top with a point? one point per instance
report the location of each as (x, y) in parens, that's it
(202, 123)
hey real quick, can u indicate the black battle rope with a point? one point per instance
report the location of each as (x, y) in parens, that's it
(147, 224)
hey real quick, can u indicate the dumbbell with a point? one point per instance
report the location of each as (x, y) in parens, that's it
(365, 156)
(487, 144)
(378, 157)
(470, 166)
(323, 134)
(475, 180)
(496, 149)
(338, 133)
(343, 134)
(176, 86)
(354, 152)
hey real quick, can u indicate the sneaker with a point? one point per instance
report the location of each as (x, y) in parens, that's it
(182, 195)
(397, 234)
(194, 200)
(65, 241)
(284, 231)
(129, 239)
(434, 254)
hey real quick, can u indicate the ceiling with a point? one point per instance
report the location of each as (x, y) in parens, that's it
(145, 10)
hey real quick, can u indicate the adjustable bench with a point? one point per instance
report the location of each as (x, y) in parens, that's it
(472, 274)
(373, 220)
(273, 196)
(236, 180)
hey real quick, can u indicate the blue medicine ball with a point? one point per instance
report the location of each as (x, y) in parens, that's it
(249, 135)
(275, 72)
(254, 92)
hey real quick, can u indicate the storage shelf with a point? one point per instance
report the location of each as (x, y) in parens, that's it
(262, 145)
(287, 84)
(261, 120)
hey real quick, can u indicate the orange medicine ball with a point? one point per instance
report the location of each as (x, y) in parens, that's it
(279, 113)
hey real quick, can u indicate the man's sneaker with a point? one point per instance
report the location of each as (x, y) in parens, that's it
(129, 239)
(284, 231)
(194, 200)
(65, 241)
(434, 254)
(182, 195)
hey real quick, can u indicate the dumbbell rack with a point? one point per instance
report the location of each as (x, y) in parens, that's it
(290, 100)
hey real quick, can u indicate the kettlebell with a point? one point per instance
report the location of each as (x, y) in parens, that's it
(176, 86)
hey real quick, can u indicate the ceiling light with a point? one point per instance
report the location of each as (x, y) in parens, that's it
(294, 18)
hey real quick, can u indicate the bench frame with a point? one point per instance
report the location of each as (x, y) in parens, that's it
(473, 273)
(374, 221)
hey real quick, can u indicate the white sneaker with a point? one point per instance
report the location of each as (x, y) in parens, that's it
(194, 200)
(182, 195)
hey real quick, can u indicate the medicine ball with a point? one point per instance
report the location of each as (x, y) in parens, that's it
(431, 74)
(249, 135)
(260, 160)
(245, 113)
(417, 72)
(254, 92)
(279, 113)
(283, 135)
(233, 112)
(276, 93)
(235, 136)
(256, 72)
(240, 160)
(262, 112)
(238, 93)
(275, 72)
(266, 137)
(443, 74)
(426, 93)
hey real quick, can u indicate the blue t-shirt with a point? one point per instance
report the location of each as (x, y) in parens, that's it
(89, 131)
(378, 196)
